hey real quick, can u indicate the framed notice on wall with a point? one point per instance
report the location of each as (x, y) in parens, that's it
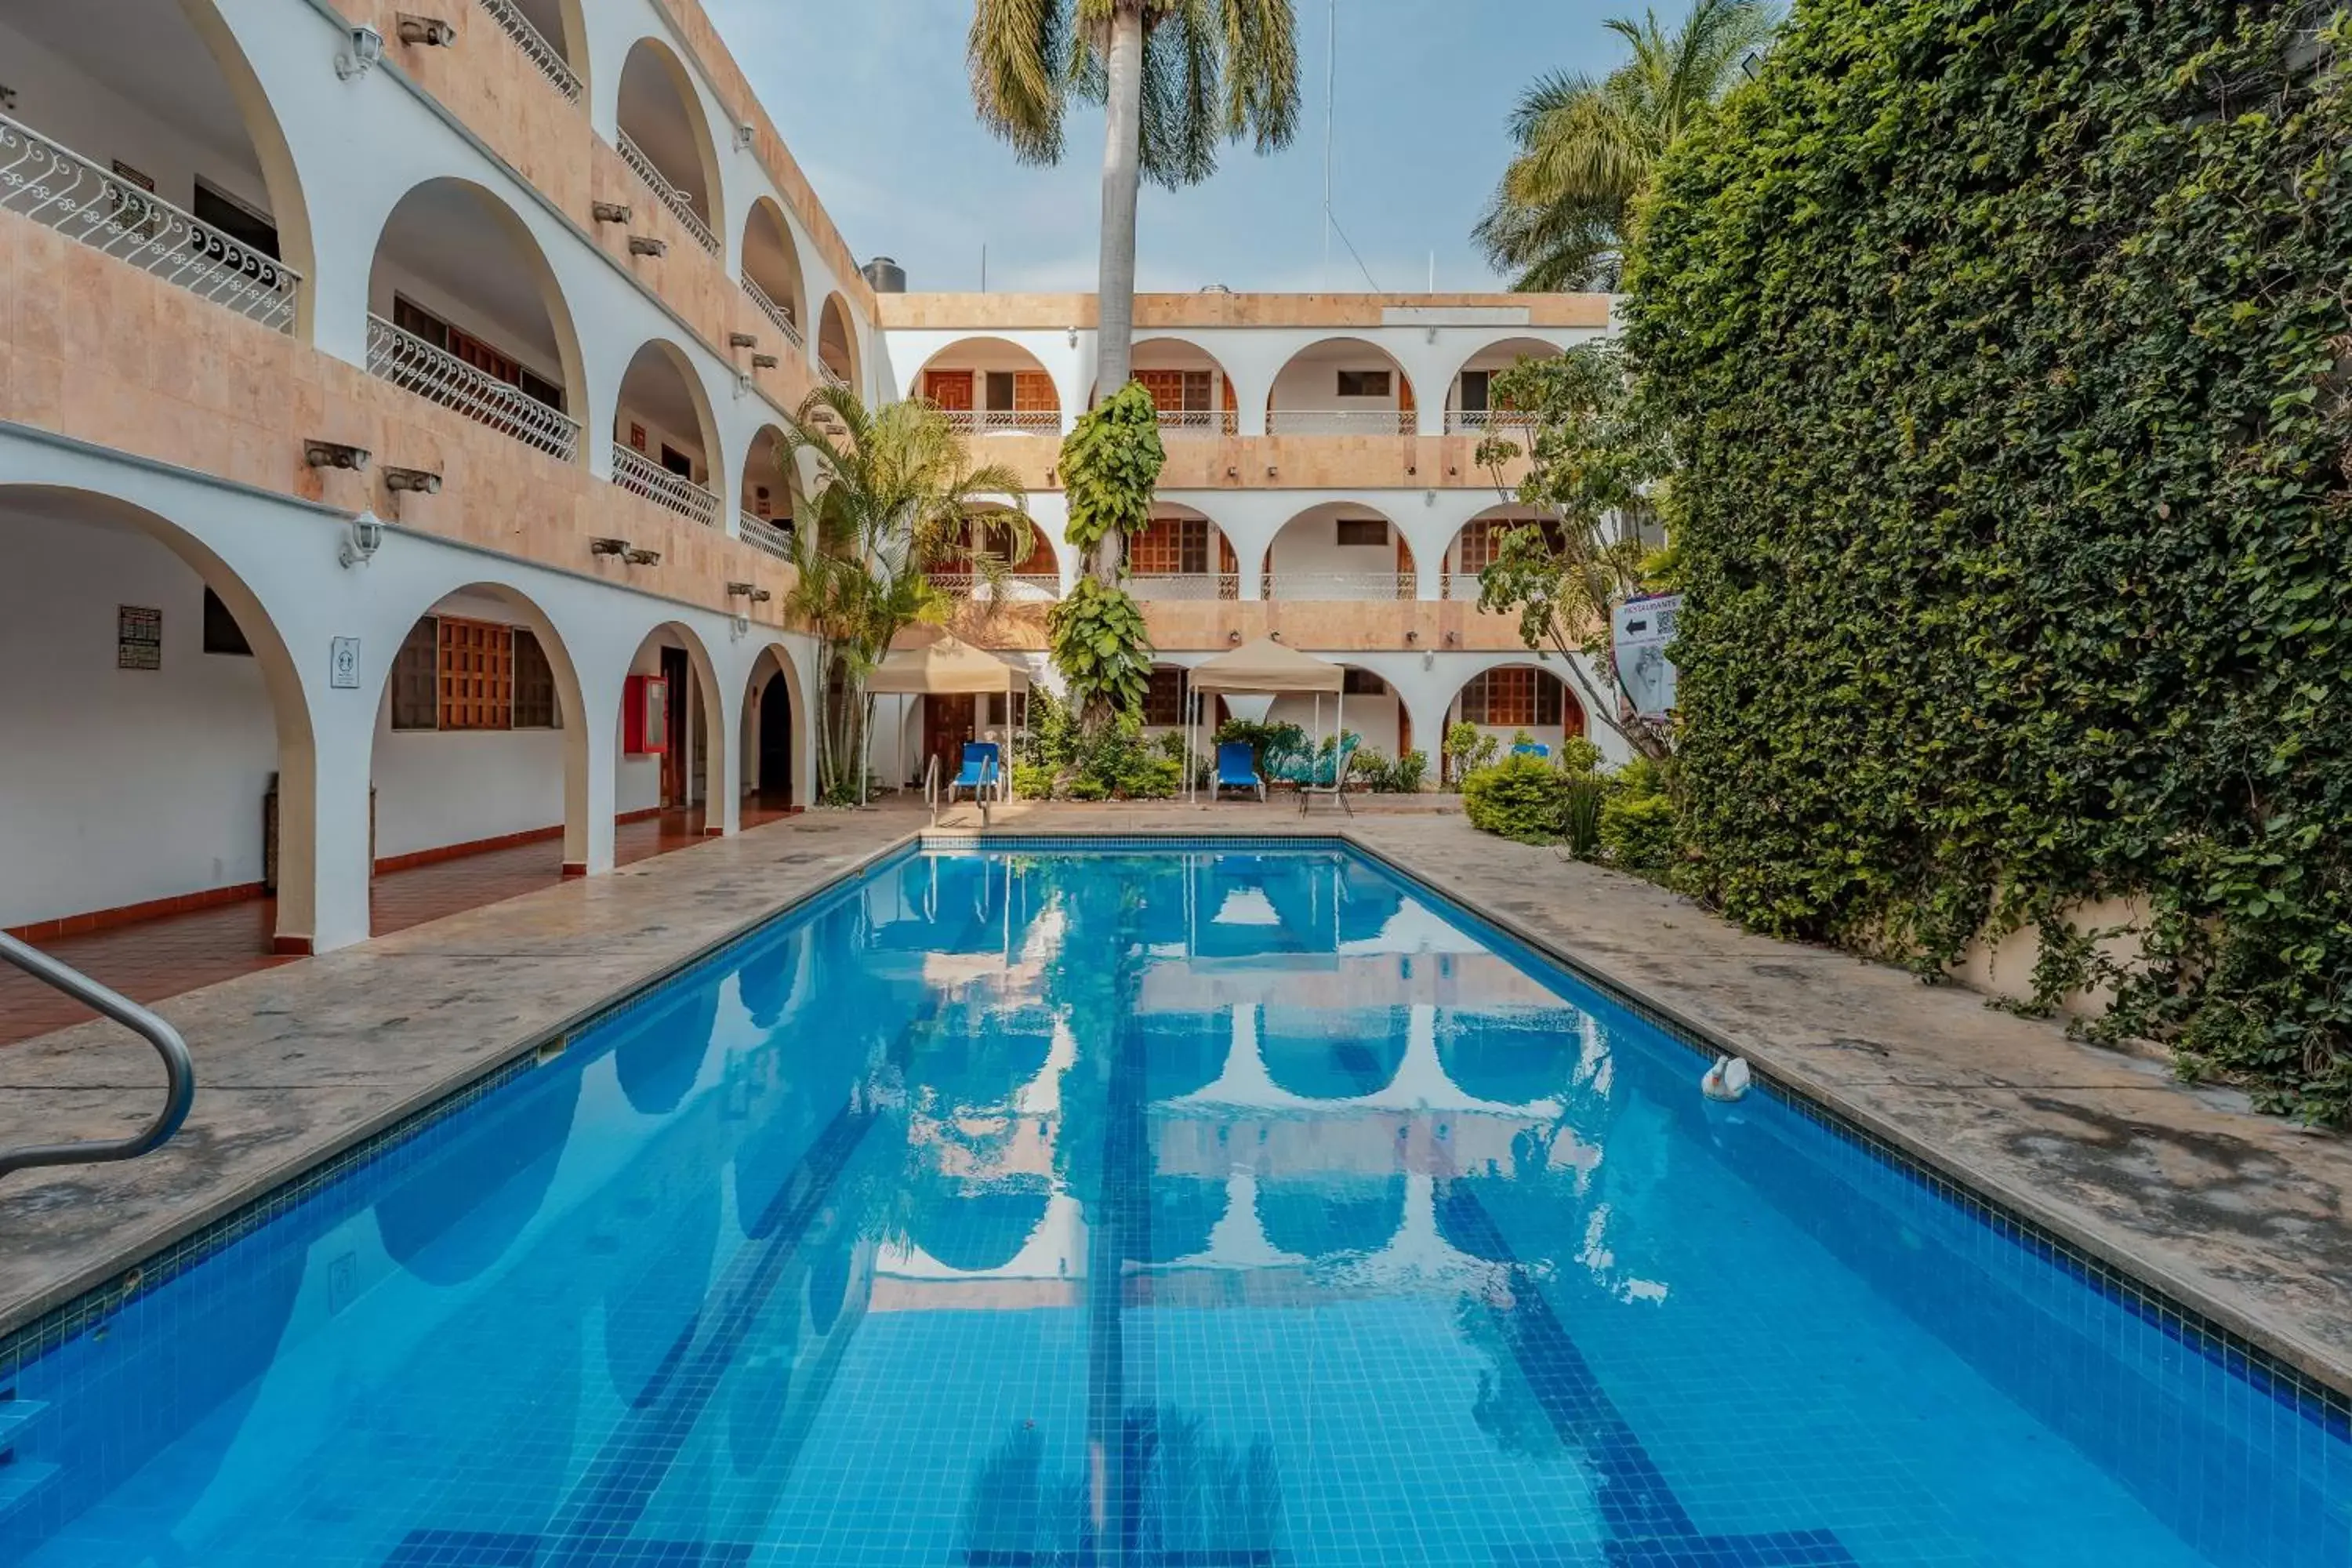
(138, 637)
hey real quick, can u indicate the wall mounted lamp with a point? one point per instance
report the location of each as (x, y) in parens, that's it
(608, 547)
(745, 134)
(1233, 639)
(362, 539)
(1232, 472)
(427, 32)
(610, 212)
(335, 455)
(366, 49)
(645, 245)
(1271, 470)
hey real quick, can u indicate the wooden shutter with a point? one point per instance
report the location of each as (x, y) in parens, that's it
(951, 389)
(477, 675)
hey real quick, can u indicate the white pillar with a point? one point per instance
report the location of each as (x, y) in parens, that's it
(324, 853)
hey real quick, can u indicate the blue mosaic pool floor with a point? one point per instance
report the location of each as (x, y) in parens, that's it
(1165, 1209)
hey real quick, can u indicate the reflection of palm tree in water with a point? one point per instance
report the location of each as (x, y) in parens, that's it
(1195, 1501)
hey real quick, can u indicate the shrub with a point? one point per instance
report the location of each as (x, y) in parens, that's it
(1580, 817)
(1524, 798)
(1641, 832)
(1467, 748)
(1407, 773)
(1576, 755)
(1086, 788)
(1033, 781)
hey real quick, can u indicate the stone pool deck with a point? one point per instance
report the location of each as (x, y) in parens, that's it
(2246, 1219)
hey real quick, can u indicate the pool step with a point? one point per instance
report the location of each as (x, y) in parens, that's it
(16, 1416)
(21, 1480)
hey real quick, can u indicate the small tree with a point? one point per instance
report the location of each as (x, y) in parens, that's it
(1600, 463)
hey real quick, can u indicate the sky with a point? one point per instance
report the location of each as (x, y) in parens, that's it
(873, 99)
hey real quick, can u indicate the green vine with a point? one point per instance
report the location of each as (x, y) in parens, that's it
(2002, 347)
(1111, 467)
(1102, 649)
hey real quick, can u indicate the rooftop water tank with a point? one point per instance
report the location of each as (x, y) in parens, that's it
(886, 276)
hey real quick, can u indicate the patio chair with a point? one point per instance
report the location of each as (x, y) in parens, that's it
(1532, 749)
(980, 770)
(1236, 769)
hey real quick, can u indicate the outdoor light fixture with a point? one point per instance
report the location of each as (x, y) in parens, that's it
(1412, 638)
(745, 134)
(1233, 639)
(765, 362)
(1452, 471)
(1231, 472)
(645, 245)
(431, 32)
(334, 455)
(610, 212)
(1074, 337)
(367, 48)
(361, 540)
(643, 557)
(1453, 639)
(608, 547)
(1412, 469)
(741, 341)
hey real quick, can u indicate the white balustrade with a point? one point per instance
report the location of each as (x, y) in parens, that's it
(408, 362)
(1006, 421)
(57, 187)
(671, 197)
(534, 45)
(1297, 585)
(1339, 422)
(761, 535)
(774, 312)
(1198, 422)
(1480, 421)
(641, 476)
(1022, 587)
(1184, 585)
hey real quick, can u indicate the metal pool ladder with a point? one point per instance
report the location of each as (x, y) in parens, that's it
(179, 1094)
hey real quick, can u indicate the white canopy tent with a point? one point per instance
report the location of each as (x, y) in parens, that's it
(948, 668)
(1267, 668)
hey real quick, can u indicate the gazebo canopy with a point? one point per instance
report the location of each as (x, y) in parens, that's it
(1265, 667)
(948, 668)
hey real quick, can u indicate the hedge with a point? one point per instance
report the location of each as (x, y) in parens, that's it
(2000, 341)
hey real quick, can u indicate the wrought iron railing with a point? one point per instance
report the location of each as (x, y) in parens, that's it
(1297, 585)
(1339, 422)
(1001, 421)
(832, 376)
(774, 312)
(761, 535)
(1019, 588)
(1198, 422)
(1479, 421)
(1185, 584)
(671, 197)
(408, 362)
(58, 187)
(641, 476)
(533, 44)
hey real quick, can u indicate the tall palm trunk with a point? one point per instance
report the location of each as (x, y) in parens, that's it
(1122, 179)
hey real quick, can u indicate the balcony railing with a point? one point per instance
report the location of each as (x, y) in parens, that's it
(542, 54)
(408, 362)
(1172, 585)
(761, 535)
(1296, 586)
(1339, 422)
(1005, 421)
(774, 312)
(1461, 586)
(671, 197)
(832, 377)
(65, 190)
(1480, 421)
(640, 476)
(1198, 422)
(1018, 589)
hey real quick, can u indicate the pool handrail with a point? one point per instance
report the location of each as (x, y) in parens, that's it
(180, 1069)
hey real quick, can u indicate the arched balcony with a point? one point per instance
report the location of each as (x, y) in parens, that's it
(836, 345)
(665, 140)
(769, 488)
(1472, 405)
(990, 386)
(463, 310)
(665, 439)
(772, 272)
(1182, 555)
(1474, 548)
(149, 140)
(1510, 698)
(1195, 395)
(1341, 386)
(1034, 577)
(551, 34)
(1340, 551)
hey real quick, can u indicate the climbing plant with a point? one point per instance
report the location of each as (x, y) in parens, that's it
(2002, 349)
(1110, 466)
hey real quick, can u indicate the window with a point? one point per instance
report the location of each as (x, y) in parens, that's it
(222, 633)
(1514, 698)
(535, 707)
(1000, 391)
(1177, 391)
(1481, 540)
(1164, 703)
(1474, 391)
(677, 462)
(1356, 682)
(1363, 383)
(1370, 530)
(992, 710)
(415, 671)
(475, 675)
(1171, 545)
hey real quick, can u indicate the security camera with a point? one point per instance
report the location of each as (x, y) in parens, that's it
(362, 539)
(429, 31)
(366, 49)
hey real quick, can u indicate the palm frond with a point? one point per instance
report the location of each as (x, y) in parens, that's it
(1019, 54)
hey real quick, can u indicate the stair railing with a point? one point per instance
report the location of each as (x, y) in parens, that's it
(179, 1070)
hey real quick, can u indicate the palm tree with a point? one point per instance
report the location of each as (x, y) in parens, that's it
(1174, 76)
(896, 497)
(1563, 212)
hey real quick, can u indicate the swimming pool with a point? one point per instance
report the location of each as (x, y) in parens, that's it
(1194, 1205)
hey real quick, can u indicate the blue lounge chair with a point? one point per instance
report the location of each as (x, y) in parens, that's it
(979, 769)
(1236, 769)
(1532, 749)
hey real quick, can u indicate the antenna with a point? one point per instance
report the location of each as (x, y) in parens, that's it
(1331, 114)
(984, 267)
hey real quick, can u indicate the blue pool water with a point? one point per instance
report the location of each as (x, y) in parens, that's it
(1192, 1207)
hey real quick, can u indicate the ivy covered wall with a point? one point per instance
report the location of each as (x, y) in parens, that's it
(2002, 341)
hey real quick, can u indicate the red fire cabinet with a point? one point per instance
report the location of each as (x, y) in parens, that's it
(644, 715)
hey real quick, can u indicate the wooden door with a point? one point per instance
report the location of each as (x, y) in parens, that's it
(947, 724)
(678, 673)
(951, 389)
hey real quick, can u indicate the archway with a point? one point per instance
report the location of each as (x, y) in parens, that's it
(1182, 555)
(772, 270)
(147, 645)
(1341, 386)
(1474, 548)
(478, 767)
(665, 436)
(1514, 696)
(1472, 405)
(665, 139)
(836, 345)
(204, 161)
(464, 312)
(770, 741)
(672, 765)
(1032, 574)
(992, 386)
(1340, 550)
(770, 493)
(1191, 388)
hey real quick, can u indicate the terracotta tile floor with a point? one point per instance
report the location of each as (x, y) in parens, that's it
(149, 960)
